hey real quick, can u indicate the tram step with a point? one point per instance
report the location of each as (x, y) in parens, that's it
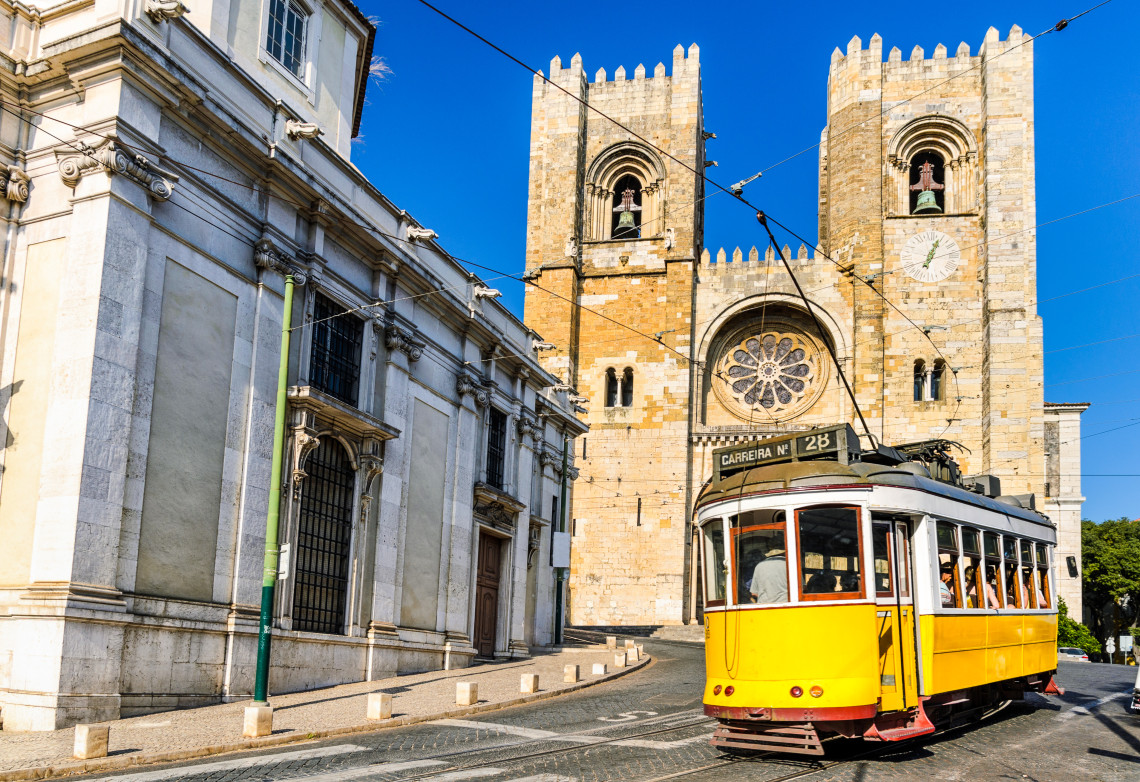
(800, 739)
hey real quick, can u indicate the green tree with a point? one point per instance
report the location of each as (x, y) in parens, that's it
(1110, 555)
(1072, 633)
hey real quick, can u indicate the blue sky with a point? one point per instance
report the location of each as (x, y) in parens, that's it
(446, 136)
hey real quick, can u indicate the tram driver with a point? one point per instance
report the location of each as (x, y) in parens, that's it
(770, 577)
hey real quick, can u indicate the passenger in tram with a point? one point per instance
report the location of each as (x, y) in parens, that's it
(991, 588)
(770, 578)
(945, 583)
(849, 583)
(821, 583)
(971, 587)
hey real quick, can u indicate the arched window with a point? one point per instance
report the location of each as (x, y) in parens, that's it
(919, 380)
(950, 149)
(626, 221)
(611, 388)
(627, 387)
(937, 379)
(927, 184)
(324, 540)
(624, 166)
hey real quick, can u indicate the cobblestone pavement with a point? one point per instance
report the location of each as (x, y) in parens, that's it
(299, 715)
(648, 727)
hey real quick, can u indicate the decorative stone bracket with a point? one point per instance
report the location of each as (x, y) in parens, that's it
(114, 157)
(468, 384)
(549, 457)
(533, 544)
(267, 256)
(371, 466)
(164, 10)
(528, 425)
(399, 338)
(304, 443)
(298, 130)
(15, 184)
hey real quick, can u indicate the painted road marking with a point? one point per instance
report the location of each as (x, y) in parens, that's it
(370, 771)
(239, 763)
(1094, 705)
(573, 738)
(467, 773)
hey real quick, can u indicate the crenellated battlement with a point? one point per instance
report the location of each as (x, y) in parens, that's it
(722, 262)
(857, 56)
(684, 63)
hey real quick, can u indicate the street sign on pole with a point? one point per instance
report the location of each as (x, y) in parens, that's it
(1126, 643)
(1110, 646)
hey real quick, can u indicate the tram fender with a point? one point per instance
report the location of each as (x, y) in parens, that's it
(897, 726)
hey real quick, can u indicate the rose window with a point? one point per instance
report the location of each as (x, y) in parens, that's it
(774, 371)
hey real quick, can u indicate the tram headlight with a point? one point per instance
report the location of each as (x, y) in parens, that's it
(797, 691)
(729, 690)
(816, 691)
(716, 690)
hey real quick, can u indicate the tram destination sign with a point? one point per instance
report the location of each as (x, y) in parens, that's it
(834, 442)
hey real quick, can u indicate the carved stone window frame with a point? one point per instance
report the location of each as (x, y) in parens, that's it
(609, 167)
(950, 140)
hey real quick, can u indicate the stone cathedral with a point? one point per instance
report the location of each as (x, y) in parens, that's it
(926, 208)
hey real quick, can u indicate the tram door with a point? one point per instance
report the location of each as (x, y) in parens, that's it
(894, 616)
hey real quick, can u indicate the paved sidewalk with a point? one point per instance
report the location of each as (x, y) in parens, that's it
(209, 730)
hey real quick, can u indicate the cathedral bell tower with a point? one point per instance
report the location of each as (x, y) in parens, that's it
(613, 234)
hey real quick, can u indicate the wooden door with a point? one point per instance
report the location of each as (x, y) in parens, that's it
(487, 595)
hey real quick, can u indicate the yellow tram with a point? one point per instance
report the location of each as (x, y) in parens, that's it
(850, 592)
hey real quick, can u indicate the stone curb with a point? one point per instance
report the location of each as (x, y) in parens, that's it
(120, 763)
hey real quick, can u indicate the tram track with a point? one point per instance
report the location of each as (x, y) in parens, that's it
(577, 746)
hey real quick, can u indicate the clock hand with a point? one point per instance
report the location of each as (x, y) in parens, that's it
(930, 255)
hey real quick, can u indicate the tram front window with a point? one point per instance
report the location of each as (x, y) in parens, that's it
(715, 562)
(759, 552)
(830, 554)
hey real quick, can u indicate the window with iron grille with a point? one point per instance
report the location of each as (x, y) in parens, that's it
(496, 448)
(285, 40)
(335, 364)
(324, 538)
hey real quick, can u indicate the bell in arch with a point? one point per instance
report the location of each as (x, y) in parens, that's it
(926, 203)
(625, 223)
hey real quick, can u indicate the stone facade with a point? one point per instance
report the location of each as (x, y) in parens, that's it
(937, 344)
(164, 172)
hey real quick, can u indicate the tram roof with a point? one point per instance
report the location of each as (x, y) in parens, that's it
(798, 476)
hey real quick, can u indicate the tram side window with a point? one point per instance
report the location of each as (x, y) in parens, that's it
(993, 569)
(830, 553)
(1015, 592)
(949, 585)
(759, 552)
(974, 575)
(881, 541)
(1043, 598)
(715, 562)
(1028, 575)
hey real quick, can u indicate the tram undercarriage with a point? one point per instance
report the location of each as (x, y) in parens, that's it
(801, 731)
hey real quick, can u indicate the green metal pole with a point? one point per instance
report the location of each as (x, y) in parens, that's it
(269, 575)
(560, 577)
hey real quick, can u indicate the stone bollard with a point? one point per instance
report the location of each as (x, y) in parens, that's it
(611, 642)
(258, 721)
(379, 706)
(466, 694)
(640, 651)
(631, 655)
(599, 669)
(619, 660)
(91, 741)
(629, 643)
(529, 683)
(570, 673)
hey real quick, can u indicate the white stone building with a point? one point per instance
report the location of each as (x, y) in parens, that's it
(165, 163)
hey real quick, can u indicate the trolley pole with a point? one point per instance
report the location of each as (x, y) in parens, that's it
(269, 574)
(560, 577)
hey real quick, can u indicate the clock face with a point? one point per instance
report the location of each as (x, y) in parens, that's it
(930, 256)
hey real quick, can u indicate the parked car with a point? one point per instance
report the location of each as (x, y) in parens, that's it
(1072, 653)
